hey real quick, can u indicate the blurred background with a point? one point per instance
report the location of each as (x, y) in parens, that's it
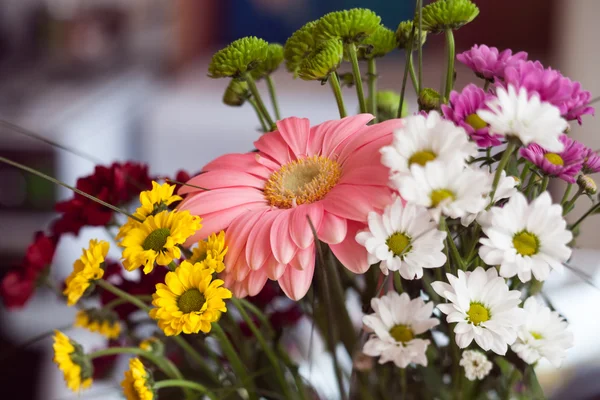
(126, 79)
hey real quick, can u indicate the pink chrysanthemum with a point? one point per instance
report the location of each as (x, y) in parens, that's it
(329, 173)
(552, 87)
(463, 112)
(564, 165)
(591, 161)
(488, 62)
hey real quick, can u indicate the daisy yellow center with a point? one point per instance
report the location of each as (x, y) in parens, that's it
(402, 333)
(421, 157)
(157, 239)
(397, 243)
(536, 335)
(439, 195)
(475, 121)
(526, 243)
(554, 159)
(302, 181)
(190, 301)
(478, 313)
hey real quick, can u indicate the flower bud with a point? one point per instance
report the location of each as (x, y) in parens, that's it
(403, 36)
(352, 26)
(236, 93)
(387, 105)
(447, 14)
(381, 42)
(298, 46)
(322, 61)
(271, 63)
(153, 345)
(241, 56)
(587, 184)
(429, 99)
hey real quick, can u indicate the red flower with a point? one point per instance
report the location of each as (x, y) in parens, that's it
(16, 289)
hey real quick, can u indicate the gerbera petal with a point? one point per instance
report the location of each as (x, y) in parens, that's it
(280, 238)
(354, 203)
(221, 179)
(238, 162)
(295, 282)
(295, 132)
(300, 228)
(258, 248)
(350, 253)
(333, 228)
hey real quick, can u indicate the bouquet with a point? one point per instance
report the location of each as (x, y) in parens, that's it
(414, 244)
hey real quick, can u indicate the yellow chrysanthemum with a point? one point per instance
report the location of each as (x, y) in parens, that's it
(75, 366)
(157, 239)
(137, 384)
(149, 344)
(156, 200)
(88, 268)
(189, 301)
(102, 322)
(212, 251)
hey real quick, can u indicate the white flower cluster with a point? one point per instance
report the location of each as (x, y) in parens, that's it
(431, 167)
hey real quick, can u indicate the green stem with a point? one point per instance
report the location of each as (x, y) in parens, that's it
(486, 85)
(420, 43)
(545, 182)
(570, 203)
(454, 250)
(266, 348)
(510, 148)
(593, 209)
(398, 282)
(172, 266)
(74, 189)
(403, 384)
(372, 75)
(259, 314)
(263, 124)
(185, 384)
(450, 69)
(334, 81)
(259, 102)
(408, 55)
(413, 76)
(357, 77)
(273, 95)
(514, 378)
(118, 301)
(237, 365)
(122, 294)
(567, 193)
(137, 352)
(524, 174)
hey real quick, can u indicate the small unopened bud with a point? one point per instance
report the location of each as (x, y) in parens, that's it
(236, 93)
(387, 105)
(587, 184)
(322, 61)
(403, 35)
(429, 99)
(352, 26)
(153, 345)
(447, 14)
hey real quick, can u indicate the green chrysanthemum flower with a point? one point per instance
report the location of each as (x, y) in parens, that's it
(403, 35)
(298, 46)
(429, 99)
(236, 93)
(351, 26)
(387, 105)
(322, 61)
(239, 57)
(381, 42)
(447, 14)
(271, 63)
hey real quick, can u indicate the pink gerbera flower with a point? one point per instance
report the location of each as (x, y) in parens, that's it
(552, 87)
(329, 173)
(463, 112)
(564, 165)
(488, 62)
(591, 161)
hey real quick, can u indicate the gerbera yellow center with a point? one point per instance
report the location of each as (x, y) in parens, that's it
(190, 301)
(526, 243)
(302, 181)
(439, 195)
(475, 121)
(421, 157)
(157, 239)
(398, 243)
(478, 313)
(536, 335)
(554, 159)
(402, 333)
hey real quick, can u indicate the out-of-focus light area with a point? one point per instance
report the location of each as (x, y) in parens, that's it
(127, 79)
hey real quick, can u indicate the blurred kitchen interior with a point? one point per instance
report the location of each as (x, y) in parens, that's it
(126, 79)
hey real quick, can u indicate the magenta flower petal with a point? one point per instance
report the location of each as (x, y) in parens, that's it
(564, 165)
(488, 62)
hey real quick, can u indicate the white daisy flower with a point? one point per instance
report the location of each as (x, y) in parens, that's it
(525, 117)
(476, 364)
(483, 307)
(396, 323)
(403, 238)
(450, 189)
(507, 186)
(426, 138)
(543, 335)
(526, 238)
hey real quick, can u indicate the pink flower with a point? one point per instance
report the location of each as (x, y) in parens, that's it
(463, 112)
(488, 62)
(552, 87)
(329, 173)
(564, 165)
(591, 161)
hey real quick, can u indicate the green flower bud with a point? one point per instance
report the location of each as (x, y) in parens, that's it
(298, 46)
(271, 63)
(236, 93)
(346, 79)
(587, 184)
(325, 59)
(403, 35)
(429, 99)
(387, 105)
(239, 57)
(447, 14)
(381, 42)
(351, 26)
